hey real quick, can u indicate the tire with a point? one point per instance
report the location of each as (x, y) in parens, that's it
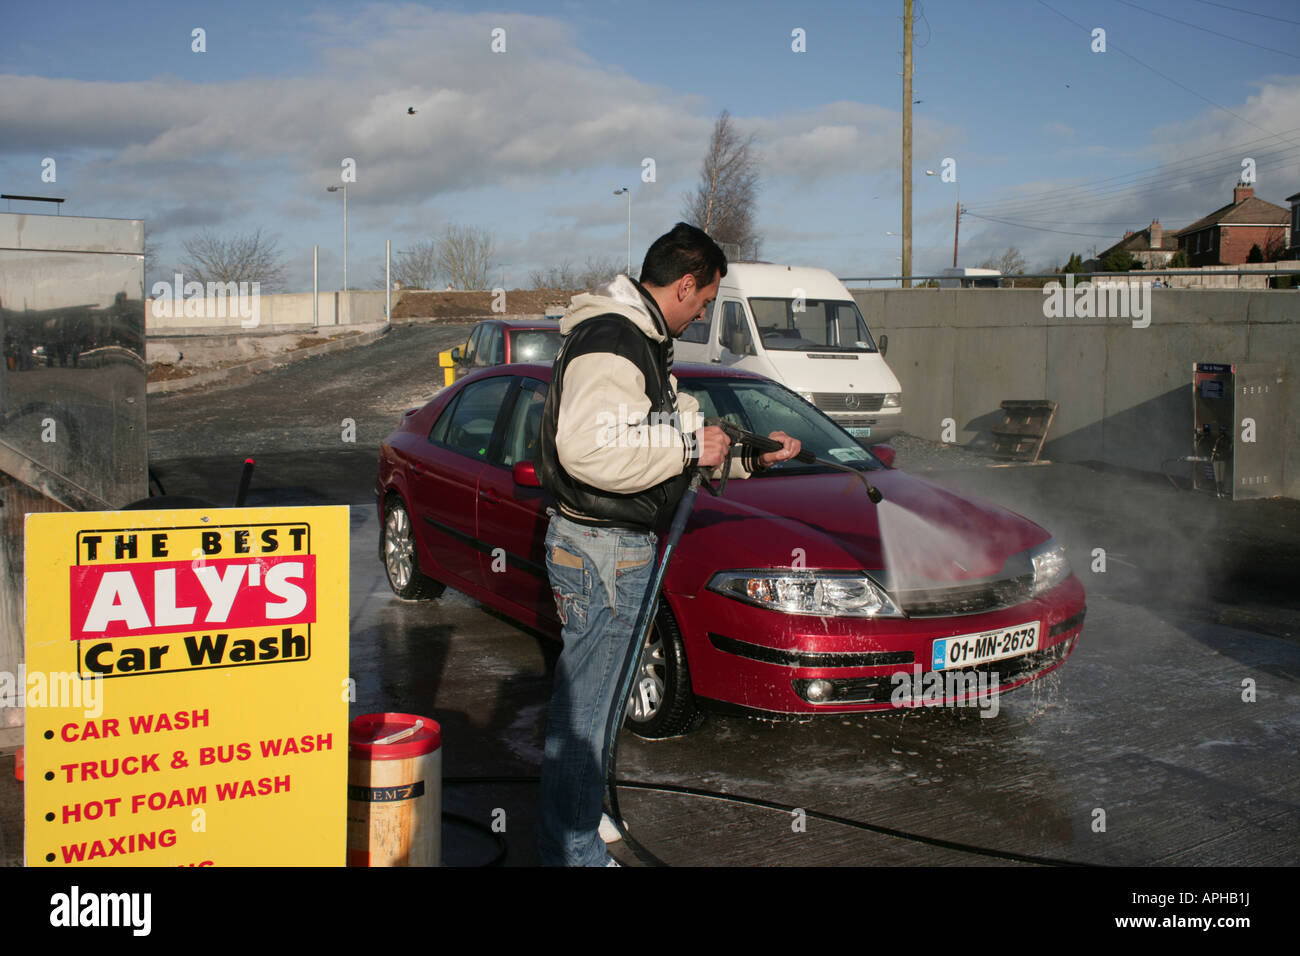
(397, 546)
(661, 703)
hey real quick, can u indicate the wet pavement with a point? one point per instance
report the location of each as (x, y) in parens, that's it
(1139, 750)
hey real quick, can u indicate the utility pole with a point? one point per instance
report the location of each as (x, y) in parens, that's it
(907, 144)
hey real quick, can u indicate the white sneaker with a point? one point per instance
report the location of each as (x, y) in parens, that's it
(609, 829)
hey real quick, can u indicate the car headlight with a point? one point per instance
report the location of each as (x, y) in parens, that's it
(1051, 566)
(893, 400)
(819, 594)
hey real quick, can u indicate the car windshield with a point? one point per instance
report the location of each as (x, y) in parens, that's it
(764, 407)
(800, 325)
(534, 345)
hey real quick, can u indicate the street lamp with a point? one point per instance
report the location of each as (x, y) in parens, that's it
(956, 226)
(334, 189)
(628, 192)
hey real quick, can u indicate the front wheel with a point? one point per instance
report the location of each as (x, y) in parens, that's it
(398, 544)
(661, 703)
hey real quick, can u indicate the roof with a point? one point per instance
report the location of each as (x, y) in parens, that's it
(1251, 210)
(1140, 241)
(769, 280)
(1293, 198)
(523, 323)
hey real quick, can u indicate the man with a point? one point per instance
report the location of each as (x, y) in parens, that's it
(617, 447)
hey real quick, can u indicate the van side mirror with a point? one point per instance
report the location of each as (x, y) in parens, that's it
(738, 342)
(884, 345)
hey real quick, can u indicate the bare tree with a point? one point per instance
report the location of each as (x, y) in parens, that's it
(597, 271)
(554, 277)
(465, 256)
(251, 257)
(1010, 263)
(724, 201)
(415, 267)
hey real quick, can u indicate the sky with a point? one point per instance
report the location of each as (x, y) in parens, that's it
(1056, 145)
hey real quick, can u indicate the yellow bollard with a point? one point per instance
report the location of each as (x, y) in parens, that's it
(448, 363)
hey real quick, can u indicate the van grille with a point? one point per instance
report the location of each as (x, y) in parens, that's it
(849, 401)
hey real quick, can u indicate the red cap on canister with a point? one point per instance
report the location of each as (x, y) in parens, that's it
(367, 733)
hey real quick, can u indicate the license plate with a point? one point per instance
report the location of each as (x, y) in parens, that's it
(859, 431)
(967, 650)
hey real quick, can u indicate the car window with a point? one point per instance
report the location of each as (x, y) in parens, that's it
(472, 345)
(764, 407)
(525, 425)
(534, 345)
(470, 422)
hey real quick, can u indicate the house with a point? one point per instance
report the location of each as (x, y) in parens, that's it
(1152, 247)
(1226, 236)
(1294, 251)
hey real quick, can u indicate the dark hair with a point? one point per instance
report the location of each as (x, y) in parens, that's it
(686, 249)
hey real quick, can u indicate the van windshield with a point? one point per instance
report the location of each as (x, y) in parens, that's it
(820, 324)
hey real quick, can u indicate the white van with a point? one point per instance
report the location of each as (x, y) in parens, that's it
(801, 327)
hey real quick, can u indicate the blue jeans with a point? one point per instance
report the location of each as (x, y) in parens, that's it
(599, 577)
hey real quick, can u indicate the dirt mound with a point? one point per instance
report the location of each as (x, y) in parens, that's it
(458, 306)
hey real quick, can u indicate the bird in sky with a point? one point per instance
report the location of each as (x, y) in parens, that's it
(410, 111)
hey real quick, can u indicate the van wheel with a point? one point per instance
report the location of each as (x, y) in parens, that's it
(661, 703)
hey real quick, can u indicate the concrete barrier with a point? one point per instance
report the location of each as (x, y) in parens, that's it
(293, 310)
(1124, 393)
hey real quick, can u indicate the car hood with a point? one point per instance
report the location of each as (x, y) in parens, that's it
(920, 534)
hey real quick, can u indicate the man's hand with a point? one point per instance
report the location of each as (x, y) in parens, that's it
(789, 448)
(714, 446)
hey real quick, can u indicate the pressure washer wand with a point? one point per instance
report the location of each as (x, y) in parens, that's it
(640, 632)
(762, 444)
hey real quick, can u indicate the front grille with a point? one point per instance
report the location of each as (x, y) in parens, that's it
(849, 401)
(967, 599)
(879, 689)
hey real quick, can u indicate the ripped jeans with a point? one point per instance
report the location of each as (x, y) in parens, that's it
(599, 577)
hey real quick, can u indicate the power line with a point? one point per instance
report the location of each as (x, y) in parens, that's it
(1166, 77)
(1266, 16)
(1138, 186)
(1063, 232)
(1197, 163)
(1216, 33)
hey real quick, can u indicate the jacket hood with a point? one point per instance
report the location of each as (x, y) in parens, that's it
(621, 296)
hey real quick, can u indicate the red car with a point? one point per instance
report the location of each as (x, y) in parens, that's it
(504, 342)
(791, 594)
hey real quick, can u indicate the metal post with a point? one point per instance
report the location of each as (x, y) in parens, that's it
(629, 233)
(345, 238)
(315, 288)
(907, 144)
(388, 281)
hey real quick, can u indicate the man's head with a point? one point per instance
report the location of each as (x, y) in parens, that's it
(681, 271)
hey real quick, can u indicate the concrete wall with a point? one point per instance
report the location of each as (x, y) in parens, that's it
(286, 310)
(1124, 393)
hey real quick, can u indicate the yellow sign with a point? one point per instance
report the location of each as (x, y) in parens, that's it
(187, 687)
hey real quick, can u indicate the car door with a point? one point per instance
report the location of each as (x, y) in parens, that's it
(512, 519)
(445, 481)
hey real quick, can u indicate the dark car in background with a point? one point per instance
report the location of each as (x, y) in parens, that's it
(790, 594)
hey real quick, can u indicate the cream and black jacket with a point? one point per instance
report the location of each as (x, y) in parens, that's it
(617, 441)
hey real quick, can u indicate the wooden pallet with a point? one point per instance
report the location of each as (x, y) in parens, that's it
(1022, 433)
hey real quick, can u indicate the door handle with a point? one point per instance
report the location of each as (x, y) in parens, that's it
(489, 496)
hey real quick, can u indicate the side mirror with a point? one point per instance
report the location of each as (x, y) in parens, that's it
(885, 453)
(884, 345)
(455, 354)
(737, 343)
(525, 473)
